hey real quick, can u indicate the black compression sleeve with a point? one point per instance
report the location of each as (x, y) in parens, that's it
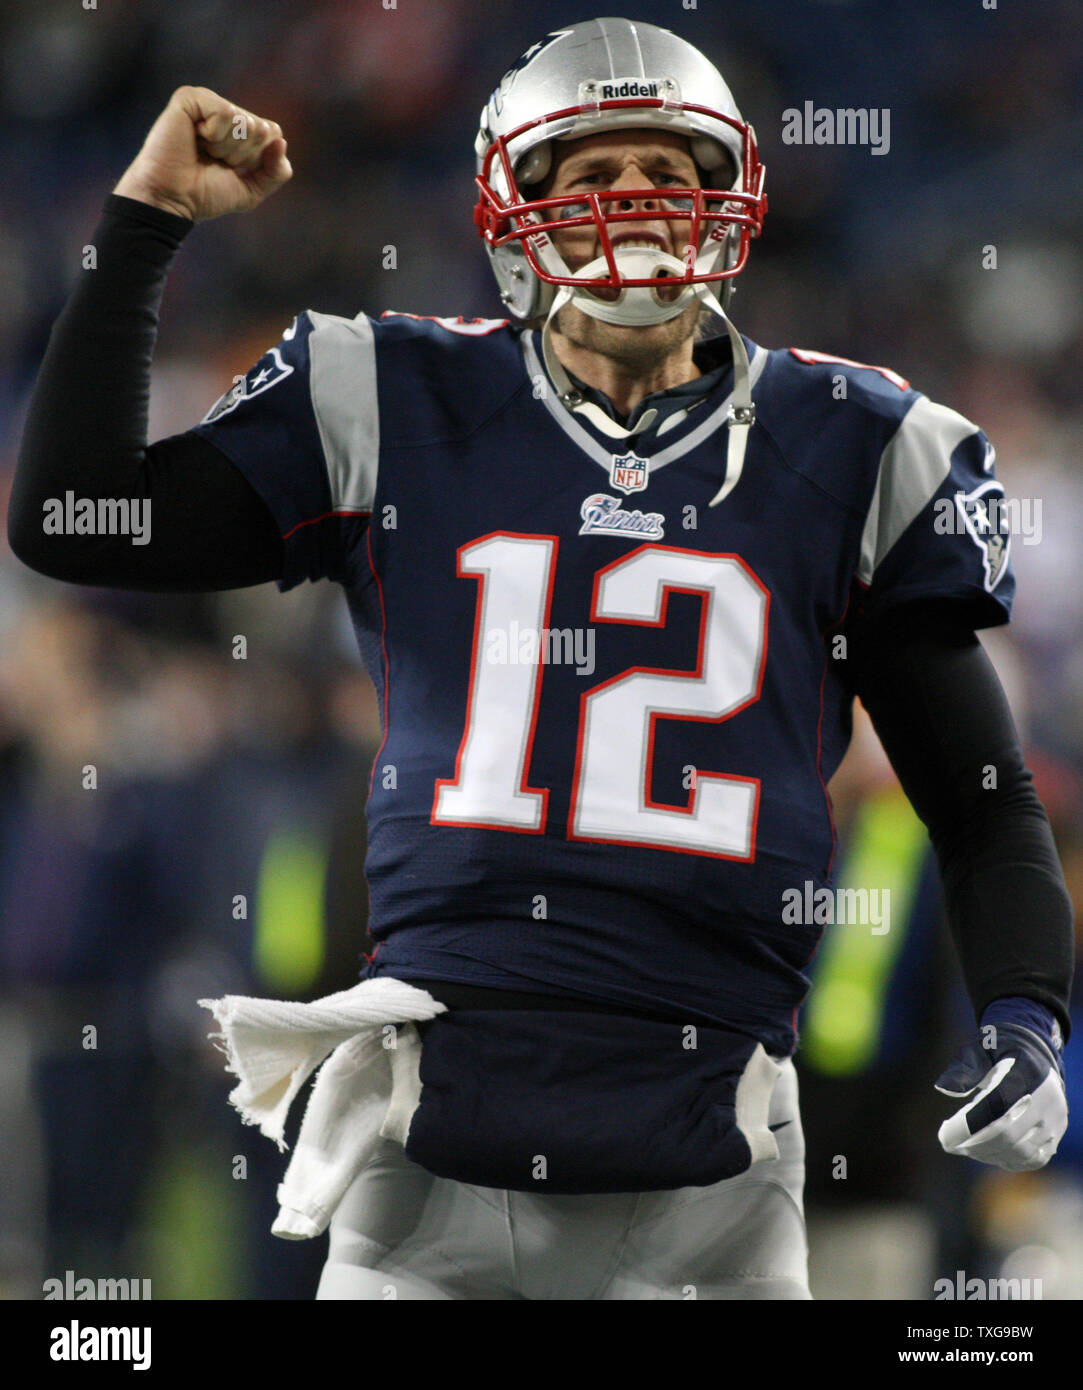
(86, 433)
(942, 716)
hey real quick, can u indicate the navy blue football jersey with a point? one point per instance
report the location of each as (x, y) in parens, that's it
(610, 710)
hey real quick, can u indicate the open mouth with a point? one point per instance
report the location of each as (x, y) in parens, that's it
(650, 240)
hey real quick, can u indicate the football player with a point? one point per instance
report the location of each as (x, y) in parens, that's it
(618, 574)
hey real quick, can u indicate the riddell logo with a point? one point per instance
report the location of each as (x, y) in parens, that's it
(613, 91)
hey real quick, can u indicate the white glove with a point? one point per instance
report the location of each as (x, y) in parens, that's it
(1018, 1109)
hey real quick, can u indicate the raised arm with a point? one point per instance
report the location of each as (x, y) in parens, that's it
(202, 526)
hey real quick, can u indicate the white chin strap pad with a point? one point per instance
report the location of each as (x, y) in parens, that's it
(642, 304)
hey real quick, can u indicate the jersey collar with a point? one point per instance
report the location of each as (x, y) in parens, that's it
(674, 405)
(712, 356)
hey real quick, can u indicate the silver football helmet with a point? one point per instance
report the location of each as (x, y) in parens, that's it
(586, 79)
(598, 76)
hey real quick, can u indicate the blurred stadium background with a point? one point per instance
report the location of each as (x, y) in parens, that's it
(221, 777)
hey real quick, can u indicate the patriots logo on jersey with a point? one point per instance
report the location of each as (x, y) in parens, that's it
(267, 372)
(983, 513)
(604, 515)
(628, 472)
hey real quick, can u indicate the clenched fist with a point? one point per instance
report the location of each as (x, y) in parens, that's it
(204, 156)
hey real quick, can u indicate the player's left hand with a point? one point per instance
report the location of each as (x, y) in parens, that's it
(1018, 1110)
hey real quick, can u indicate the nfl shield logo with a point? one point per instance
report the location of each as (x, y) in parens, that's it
(628, 472)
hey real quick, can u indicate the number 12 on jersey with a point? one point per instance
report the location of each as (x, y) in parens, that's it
(611, 799)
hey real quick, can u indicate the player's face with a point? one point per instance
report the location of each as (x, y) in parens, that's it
(622, 159)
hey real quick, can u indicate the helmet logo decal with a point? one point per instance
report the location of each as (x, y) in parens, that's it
(528, 57)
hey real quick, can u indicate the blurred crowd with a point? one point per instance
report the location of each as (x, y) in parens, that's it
(222, 849)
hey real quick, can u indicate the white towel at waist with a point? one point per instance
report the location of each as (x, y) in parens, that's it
(367, 1088)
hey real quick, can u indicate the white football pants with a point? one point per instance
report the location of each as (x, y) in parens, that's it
(401, 1232)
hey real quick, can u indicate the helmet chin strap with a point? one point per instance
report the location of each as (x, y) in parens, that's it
(742, 411)
(641, 305)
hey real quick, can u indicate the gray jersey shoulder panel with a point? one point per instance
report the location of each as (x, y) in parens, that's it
(912, 467)
(342, 381)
